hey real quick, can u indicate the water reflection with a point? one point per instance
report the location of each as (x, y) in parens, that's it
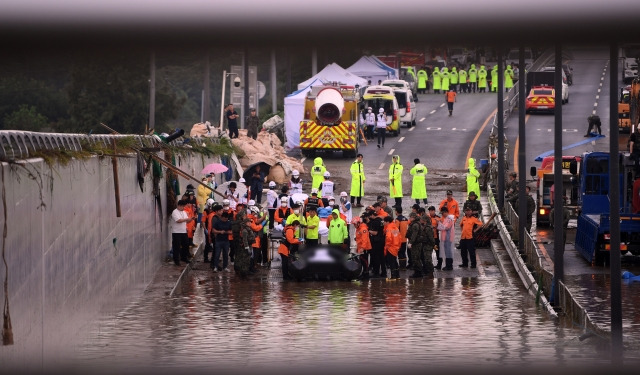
(271, 325)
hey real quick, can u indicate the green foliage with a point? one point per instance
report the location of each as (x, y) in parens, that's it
(18, 91)
(25, 118)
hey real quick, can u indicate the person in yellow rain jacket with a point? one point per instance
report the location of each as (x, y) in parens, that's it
(462, 78)
(436, 78)
(473, 78)
(494, 78)
(357, 180)
(472, 178)
(395, 180)
(317, 173)
(418, 186)
(423, 78)
(444, 84)
(508, 78)
(454, 78)
(482, 79)
(338, 232)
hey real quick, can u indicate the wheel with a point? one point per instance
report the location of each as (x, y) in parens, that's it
(566, 101)
(413, 123)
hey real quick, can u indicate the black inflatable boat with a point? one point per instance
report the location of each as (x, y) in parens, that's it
(324, 263)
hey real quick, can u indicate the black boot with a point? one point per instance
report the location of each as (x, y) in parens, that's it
(416, 274)
(439, 265)
(395, 274)
(449, 264)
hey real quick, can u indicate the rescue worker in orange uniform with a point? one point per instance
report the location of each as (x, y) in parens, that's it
(256, 226)
(450, 96)
(392, 242)
(363, 244)
(287, 241)
(452, 205)
(469, 225)
(403, 224)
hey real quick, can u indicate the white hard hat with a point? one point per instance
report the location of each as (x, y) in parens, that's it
(295, 172)
(272, 184)
(242, 179)
(210, 202)
(299, 202)
(381, 110)
(369, 108)
(327, 174)
(343, 194)
(330, 198)
(314, 190)
(255, 210)
(251, 203)
(284, 199)
(226, 202)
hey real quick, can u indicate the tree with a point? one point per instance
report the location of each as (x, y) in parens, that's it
(114, 89)
(25, 118)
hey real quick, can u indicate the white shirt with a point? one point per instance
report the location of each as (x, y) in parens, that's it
(272, 197)
(295, 187)
(178, 227)
(327, 188)
(232, 202)
(370, 119)
(382, 121)
(348, 212)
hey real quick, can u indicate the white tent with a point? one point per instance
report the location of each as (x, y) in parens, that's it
(370, 70)
(293, 114)
(392, 71)
(294, 102)
(334, 73)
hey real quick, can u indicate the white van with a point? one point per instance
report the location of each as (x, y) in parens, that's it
(407, 111)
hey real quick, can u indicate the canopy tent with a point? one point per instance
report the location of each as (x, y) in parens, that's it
(293, 113)
(294, 102)
(370, 70)
(380, 63)
(334, 73)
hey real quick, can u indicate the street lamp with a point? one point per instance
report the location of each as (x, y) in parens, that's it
(236, 83)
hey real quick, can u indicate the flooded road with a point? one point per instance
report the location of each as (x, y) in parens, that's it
(220, 322)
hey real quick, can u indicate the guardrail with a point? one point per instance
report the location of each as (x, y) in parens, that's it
(523, 271)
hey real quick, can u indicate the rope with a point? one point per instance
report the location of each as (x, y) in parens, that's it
(7, 331)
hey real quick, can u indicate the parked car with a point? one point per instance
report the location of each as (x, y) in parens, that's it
(378, 97)
(541, 99)
(565, 84)
(629, 69)
(406, 107)
(408, 73)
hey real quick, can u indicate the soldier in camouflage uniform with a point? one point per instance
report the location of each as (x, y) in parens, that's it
(243, 237)
(414, 238)
(428, 242)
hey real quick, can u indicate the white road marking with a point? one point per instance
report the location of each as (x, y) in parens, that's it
(391, 151)
(422, 119)
(598, 91)
(600, 84)
(453, 128)
(436, 128)
(432, 112)
(597, 97)
(441, 105)
(381, 166)
(594, 111)
(595, 104)
(401, 139)
(412, 129)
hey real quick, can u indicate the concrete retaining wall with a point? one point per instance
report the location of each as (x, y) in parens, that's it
(69, 257)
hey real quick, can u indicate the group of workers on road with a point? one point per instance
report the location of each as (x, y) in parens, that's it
(465, 81)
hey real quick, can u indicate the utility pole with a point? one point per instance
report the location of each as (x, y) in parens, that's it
(500, 118)
(206, 113)
(152, 92)
(245, 85)
(274, 83)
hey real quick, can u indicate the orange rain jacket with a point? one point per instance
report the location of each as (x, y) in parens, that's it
(290, 235)
(392, 239)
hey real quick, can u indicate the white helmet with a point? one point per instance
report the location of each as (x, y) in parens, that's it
(327, 174)
(330, 198)
(255, 210)
(343, 194)
(299, 203)
(242, 180)
(295, 173)
(226, 202)
(272, 184)
(210, 202)
(251, 203)
(381, 110)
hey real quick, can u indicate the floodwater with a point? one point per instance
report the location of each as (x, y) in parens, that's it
(220, 323)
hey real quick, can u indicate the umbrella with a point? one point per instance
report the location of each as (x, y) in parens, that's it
(264, 169)
(214, 168)
(240, 187)
(299, 197)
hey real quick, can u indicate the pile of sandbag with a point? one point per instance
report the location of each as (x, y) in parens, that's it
(267, 148)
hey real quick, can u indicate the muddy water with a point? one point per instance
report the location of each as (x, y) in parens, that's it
(266, 325)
